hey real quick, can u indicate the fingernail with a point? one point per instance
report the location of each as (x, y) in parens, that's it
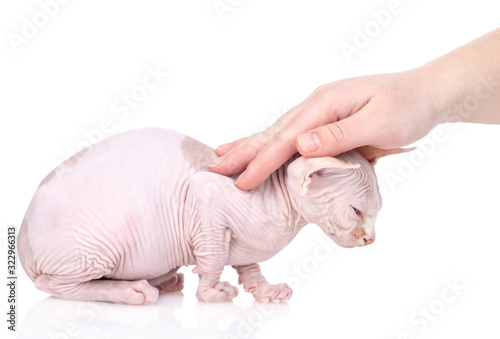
(239, 178)
(309, 142)
(225, 146)
(216, 162)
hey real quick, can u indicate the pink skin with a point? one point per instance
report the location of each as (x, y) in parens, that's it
(135, 207)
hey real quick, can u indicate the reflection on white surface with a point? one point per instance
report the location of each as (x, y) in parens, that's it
(57, 318)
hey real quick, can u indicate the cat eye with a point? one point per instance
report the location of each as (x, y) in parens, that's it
(356, 210)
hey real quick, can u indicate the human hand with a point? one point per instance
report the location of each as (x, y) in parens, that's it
(385, 111)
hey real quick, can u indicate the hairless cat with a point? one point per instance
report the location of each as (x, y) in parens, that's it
(117, 220)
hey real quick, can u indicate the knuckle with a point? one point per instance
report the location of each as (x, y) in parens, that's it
(266, 134)
(321, 90)
(337, 134)
(251, 145)
(278, 138)
(276, 128)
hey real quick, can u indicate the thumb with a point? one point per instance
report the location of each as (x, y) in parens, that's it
(334, 138)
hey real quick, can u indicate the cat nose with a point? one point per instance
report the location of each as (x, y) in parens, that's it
(369, 240)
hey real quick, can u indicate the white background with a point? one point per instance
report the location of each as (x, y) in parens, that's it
(231, 75)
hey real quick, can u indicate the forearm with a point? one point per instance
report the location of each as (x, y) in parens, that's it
(466, 82)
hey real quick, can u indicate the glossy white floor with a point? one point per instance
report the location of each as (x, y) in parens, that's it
(432, 272)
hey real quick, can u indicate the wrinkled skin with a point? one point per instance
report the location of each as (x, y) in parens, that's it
(117, 220)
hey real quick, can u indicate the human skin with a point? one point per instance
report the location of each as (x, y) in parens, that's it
(384, 110)
(115, 221)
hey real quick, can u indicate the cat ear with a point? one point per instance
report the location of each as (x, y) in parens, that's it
(372, 154)
(302, 170)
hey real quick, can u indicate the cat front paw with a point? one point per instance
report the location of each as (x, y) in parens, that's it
(222, 291)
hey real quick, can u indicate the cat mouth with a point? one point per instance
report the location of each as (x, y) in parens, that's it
(336, 239)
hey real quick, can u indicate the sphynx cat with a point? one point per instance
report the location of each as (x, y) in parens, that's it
(116, 221)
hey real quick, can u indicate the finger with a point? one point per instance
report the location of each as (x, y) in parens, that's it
(237, 159)
(269, 159)
(223, 149)
(338, 137)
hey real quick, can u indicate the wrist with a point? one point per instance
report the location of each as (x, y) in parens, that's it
(436, 91)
